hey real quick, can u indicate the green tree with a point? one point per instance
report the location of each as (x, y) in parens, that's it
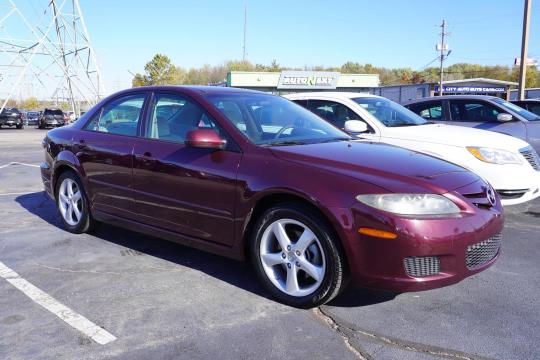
(30, 103)
(159, 71)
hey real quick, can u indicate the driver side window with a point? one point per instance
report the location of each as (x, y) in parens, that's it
(333, 112)
(173, 116)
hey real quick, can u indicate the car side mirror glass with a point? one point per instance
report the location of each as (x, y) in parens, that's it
(205, 138)
(355, 126)
(504, 117)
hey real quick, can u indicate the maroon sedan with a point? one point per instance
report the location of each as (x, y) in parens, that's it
(254, 176)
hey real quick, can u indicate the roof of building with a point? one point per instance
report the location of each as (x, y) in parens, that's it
(481, 80)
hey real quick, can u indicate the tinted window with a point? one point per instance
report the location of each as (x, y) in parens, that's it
(431, 110)
(473, 111)
(517, 109)
(173, 116)
(120, 116)
(388, 112)
(53, 112)
(534, 108)
(267, 119)
(333, 112)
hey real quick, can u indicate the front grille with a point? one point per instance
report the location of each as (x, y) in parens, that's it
(532, 158)
(419, 266)
(511, 194)
(482, 252)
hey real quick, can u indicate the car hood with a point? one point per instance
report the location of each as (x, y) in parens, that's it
(454, 136)
(395, 169)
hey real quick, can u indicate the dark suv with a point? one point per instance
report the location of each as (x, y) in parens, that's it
(52, 118)
(11, 117)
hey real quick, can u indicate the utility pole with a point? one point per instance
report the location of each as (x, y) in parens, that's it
(524, 45)
(443, 47)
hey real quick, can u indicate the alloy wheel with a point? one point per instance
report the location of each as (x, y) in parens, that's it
(70, 202)
(292, 257)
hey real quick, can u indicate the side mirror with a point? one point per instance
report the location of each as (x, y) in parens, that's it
(504, 117)
(205, 138)
(355, 126)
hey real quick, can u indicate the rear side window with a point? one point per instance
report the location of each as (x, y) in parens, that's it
(432, 110)
(121, 116)
(53, 112)
(473, 111)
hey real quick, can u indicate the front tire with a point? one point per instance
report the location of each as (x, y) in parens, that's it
(296, 256)
(72, 204)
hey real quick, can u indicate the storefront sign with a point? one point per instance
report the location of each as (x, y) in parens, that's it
(471, 89)
(308, 80)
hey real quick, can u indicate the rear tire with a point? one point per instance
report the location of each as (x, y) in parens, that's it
(72, 204)
(296, 256)
(20, 127)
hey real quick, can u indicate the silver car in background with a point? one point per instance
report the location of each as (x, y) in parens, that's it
(481, 112)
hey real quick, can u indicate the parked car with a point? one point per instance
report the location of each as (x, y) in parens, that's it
(32, 117)
(11, 117)
(532, 105)
(51, 118)
(481, 112)
(307, 205)
(509, 164)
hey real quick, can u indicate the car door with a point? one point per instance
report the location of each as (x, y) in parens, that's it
(104, 149)
(187, 190)
(482, 115)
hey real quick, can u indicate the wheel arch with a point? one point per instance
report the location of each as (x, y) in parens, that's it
(65, 161)
(273, 198)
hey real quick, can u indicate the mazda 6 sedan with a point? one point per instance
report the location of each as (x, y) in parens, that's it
(256, 177)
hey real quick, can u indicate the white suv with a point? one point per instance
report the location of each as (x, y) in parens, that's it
(510, 165)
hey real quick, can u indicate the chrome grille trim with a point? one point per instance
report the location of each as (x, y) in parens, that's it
(483, 252)
(419, 266)
(531, 156)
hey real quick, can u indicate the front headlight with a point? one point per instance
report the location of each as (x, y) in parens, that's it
(495, 156)
(411, 204)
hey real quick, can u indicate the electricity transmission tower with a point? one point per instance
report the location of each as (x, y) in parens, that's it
(46, 44)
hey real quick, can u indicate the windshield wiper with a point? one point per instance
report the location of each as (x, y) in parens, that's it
(284, 143)
(336, 139)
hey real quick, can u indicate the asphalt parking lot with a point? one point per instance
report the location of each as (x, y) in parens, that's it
(160, 300)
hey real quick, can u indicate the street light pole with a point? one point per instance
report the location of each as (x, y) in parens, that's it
(524, 45)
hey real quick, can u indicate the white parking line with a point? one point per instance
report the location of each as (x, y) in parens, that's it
(18, 193)
(17, 163)
(79, 322)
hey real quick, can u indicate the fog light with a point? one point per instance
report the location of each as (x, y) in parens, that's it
(377, 233)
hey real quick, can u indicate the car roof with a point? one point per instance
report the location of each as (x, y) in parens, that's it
(201, 89)
(334, 94)
(452, 97)
(534, 101)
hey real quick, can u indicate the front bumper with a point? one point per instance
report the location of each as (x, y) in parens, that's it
(52, 123)
(516, 184)
(381, 263)
(11, 121)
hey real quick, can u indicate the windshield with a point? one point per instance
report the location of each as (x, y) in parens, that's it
(54, 112)
(272, 120)
(389, 113)
(519, 110)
